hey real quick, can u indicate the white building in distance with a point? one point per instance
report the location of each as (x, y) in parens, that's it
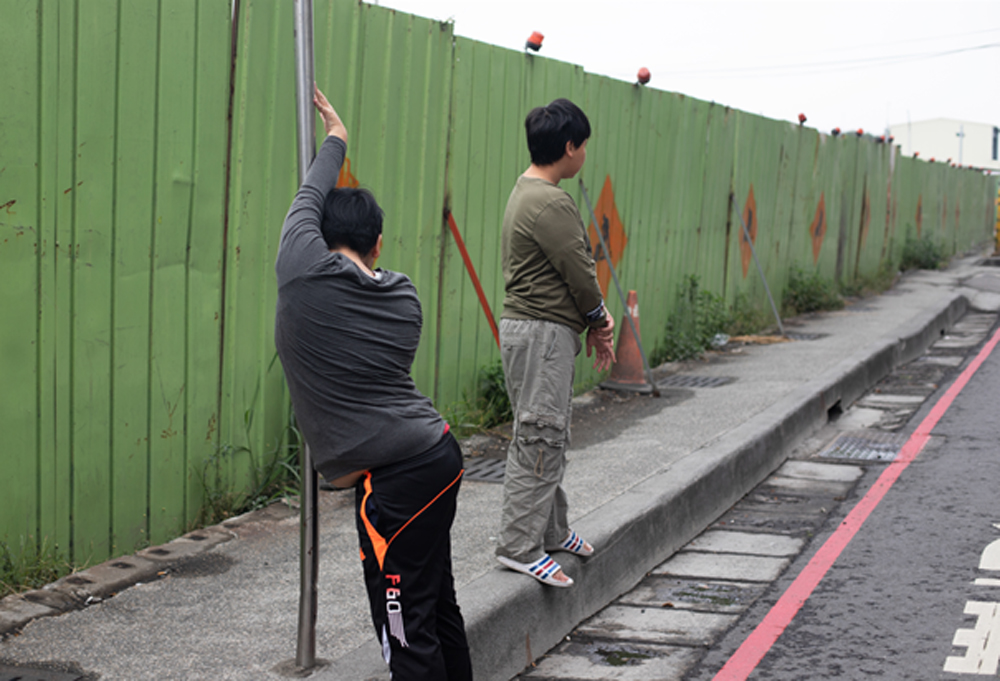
(963, 142)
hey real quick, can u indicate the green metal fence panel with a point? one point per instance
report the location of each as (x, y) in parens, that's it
(638, 191)
(824, 220)
(804, 194)
(136, 102)
(486, 154)
(107, 162)
(92, 149)
(756, 169)
(55, 111)
(806, 224)
(263, 178)
(849, 200)
(205, 180)
(716, 223)
(186, 237)
(21, 242)
(880, 211)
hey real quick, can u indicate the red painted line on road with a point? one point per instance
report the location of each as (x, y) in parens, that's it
(759, 642)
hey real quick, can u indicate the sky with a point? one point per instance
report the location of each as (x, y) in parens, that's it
(849, 64)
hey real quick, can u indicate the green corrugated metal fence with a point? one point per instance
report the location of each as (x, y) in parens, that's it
(147, 158)
(113, 145)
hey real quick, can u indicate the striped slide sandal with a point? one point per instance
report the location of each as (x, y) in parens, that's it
(575, 544)
(544, 570)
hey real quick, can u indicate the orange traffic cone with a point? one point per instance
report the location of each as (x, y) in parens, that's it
(628, 372)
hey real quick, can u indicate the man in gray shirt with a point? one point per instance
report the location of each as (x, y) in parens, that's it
(347, 333)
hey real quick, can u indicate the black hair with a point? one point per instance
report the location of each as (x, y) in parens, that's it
(351, 218)
(550, 127)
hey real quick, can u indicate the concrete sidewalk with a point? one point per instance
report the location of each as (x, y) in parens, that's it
(229, 609)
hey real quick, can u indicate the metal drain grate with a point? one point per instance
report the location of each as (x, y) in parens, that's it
(865, 445)
(482, 469)
(686, 381)
(8, 673)
(791, 335)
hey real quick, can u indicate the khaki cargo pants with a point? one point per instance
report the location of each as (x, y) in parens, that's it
(538, 363)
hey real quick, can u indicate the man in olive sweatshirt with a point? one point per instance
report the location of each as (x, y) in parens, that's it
(552, 296)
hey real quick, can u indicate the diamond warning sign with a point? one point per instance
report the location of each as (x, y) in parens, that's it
(612, 231)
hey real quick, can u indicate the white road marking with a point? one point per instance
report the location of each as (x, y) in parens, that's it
(991, 557)
(983, 642)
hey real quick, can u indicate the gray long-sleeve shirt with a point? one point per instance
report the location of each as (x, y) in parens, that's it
(346, 342)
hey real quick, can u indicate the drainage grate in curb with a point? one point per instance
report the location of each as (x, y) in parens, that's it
(865, 445)
(8, 673)
(482, 469)
(686, 381)
(791, 335)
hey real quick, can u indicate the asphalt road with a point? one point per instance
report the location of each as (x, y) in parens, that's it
(862, 556)
(914, 594)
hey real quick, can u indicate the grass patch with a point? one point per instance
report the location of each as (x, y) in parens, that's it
(746, 319)
(696, 319)
(30, 565)
(871, 284)
(922, 254)
(487, 408)
(809, 293)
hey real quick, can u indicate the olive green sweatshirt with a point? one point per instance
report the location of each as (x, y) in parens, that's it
(548, 266)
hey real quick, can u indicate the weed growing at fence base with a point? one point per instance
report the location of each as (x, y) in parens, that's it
(698, 316)
(809, 293)
(30, 565)
(276, 477)
(746, 319)
(924, 254)
(871, 284)
(488, 408)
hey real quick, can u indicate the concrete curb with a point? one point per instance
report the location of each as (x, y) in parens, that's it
(98, 582)
(511, 619)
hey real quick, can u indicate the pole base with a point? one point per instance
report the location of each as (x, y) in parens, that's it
(291, 669)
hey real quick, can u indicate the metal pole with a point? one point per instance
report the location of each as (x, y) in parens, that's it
(621, 294)
(305, 652)
(753, 251)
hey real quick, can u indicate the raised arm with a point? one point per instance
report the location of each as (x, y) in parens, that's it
(302, 244)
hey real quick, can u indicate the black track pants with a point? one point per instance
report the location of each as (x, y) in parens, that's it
(404, 515)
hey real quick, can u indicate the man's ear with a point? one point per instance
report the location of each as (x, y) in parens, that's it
(377, 251)
(570, 149)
